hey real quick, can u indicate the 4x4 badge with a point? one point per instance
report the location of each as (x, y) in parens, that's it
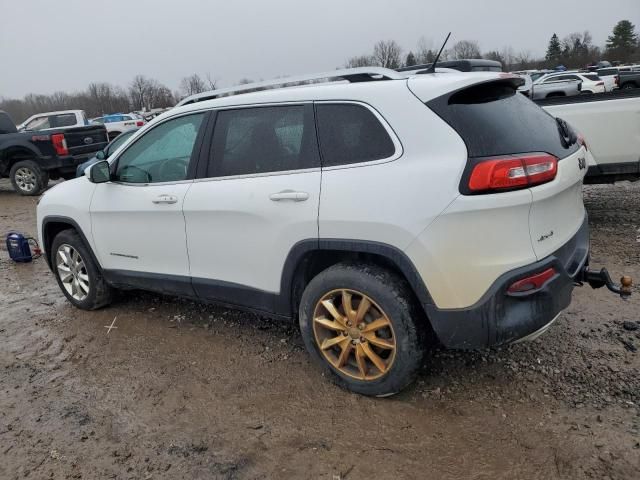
(582, 163)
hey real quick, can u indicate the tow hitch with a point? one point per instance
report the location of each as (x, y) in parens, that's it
(601, 279)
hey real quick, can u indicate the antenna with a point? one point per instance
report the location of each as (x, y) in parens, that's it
(432, 68)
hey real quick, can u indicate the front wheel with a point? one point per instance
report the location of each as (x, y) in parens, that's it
(360, 323)
(76, 272)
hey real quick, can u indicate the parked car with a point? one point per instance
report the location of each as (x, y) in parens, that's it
(47, 121)
(629, 80)
(372, 212)
(105, 152)
(31, 158)
(609, 124)
(559, 88)
(591, 83)
(118, 123)
(610, 77)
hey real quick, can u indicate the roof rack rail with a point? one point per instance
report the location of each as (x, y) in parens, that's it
(353, 75)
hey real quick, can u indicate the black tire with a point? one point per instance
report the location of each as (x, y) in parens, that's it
(100, 293)
(28, 178)
(628, 86)
(393, 296)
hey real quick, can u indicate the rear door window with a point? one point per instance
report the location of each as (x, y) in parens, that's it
(63, 120)
(350, 133)
(493, 120)
(262, 140)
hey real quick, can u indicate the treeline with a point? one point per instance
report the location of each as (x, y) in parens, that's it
(575, 50)
(99, 99)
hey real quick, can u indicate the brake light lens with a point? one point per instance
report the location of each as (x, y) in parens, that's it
(513, 172)
(59, 144)
(534, 282)
(139, 123)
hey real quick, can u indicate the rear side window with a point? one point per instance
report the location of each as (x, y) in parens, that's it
(351, 134)
(262, 140)
(493, 120)
(63, 120)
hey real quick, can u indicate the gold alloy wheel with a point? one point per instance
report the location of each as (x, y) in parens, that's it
(354, 334)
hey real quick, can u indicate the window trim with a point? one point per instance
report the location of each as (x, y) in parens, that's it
(195, 155)
(397, 144)
(206, 156)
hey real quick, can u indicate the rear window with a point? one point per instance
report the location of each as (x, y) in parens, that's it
(607, 72)
(592, 76)
(493, 120)
(351, 134)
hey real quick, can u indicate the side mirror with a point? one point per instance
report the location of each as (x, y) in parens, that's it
(101, 155)
(99, 172)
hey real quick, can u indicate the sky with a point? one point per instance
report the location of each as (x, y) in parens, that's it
(63, 45)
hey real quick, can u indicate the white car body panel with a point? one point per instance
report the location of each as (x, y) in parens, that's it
(611, 128)
(133, 233)
(237, 234)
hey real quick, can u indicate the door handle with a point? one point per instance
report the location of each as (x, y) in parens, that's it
(165, 199)
(289, 195)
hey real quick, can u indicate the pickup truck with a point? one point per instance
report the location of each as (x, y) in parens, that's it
(30, 158)
(629, 80)
(610, 124)
(51, 120)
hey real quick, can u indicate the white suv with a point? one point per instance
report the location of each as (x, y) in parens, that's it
(374, 209)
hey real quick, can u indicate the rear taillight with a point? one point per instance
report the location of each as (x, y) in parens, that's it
(59, 143)
(139, 123)
(512, 172)
(616, 80)
(600, 84)
(534, 282)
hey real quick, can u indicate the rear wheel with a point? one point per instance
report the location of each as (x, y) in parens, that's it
(628, 86)
(77, 274)
(360, 323)
(28, 178)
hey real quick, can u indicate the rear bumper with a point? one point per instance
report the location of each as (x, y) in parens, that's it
(499, 318)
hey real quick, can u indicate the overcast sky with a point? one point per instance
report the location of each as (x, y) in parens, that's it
(46, 46)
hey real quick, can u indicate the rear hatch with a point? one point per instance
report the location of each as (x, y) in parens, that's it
(497, 122)
(85, 140)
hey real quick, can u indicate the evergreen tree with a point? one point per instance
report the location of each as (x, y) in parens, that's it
(623, 42)
(554, 50)
(411, 60)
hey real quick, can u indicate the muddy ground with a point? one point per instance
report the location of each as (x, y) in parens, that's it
(181, 390)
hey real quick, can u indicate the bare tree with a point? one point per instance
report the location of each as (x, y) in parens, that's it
(387, 54)
(211, 81)
(360, 61)
(193, 84)
(466, 49)
(523, 60)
